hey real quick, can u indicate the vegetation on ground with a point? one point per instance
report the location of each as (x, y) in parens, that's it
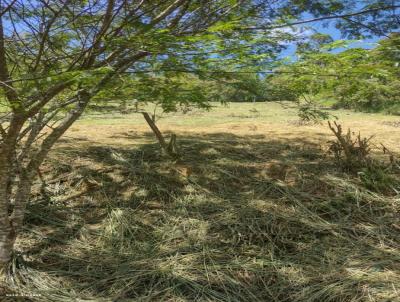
(248, 212)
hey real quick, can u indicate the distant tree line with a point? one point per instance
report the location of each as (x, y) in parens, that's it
(325, 72)
(356, 78)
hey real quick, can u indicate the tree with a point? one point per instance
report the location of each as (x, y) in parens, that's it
(356, 78)
(57, 56)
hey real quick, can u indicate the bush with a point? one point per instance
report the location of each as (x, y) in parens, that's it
(353, 153)
(370, 96)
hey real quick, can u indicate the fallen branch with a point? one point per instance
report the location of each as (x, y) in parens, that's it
(169, 148)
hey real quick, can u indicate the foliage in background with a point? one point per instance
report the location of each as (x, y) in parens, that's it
(361, 79)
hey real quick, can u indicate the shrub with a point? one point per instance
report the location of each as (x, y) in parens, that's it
(353, 153)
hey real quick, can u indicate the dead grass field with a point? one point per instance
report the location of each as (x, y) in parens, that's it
(271, 120)
(254, 210)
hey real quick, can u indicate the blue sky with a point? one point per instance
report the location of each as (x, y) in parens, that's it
(334, 33)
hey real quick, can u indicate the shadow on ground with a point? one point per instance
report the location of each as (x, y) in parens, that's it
(234, 219)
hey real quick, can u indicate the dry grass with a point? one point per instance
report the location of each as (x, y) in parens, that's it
(271, 121)
(255, 210)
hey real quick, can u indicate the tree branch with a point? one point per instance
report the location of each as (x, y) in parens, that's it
(363, 12)
(6, 9)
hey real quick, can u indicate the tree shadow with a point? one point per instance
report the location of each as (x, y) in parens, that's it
(234, 219)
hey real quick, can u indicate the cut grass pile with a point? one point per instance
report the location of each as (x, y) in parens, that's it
(237, 218)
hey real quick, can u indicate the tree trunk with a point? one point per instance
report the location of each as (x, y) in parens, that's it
(10, 225)
(12, 215)
(6, 231)
(7, 239)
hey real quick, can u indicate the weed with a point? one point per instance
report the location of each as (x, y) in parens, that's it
(349, 150)
(376, 178)
(353, 153)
